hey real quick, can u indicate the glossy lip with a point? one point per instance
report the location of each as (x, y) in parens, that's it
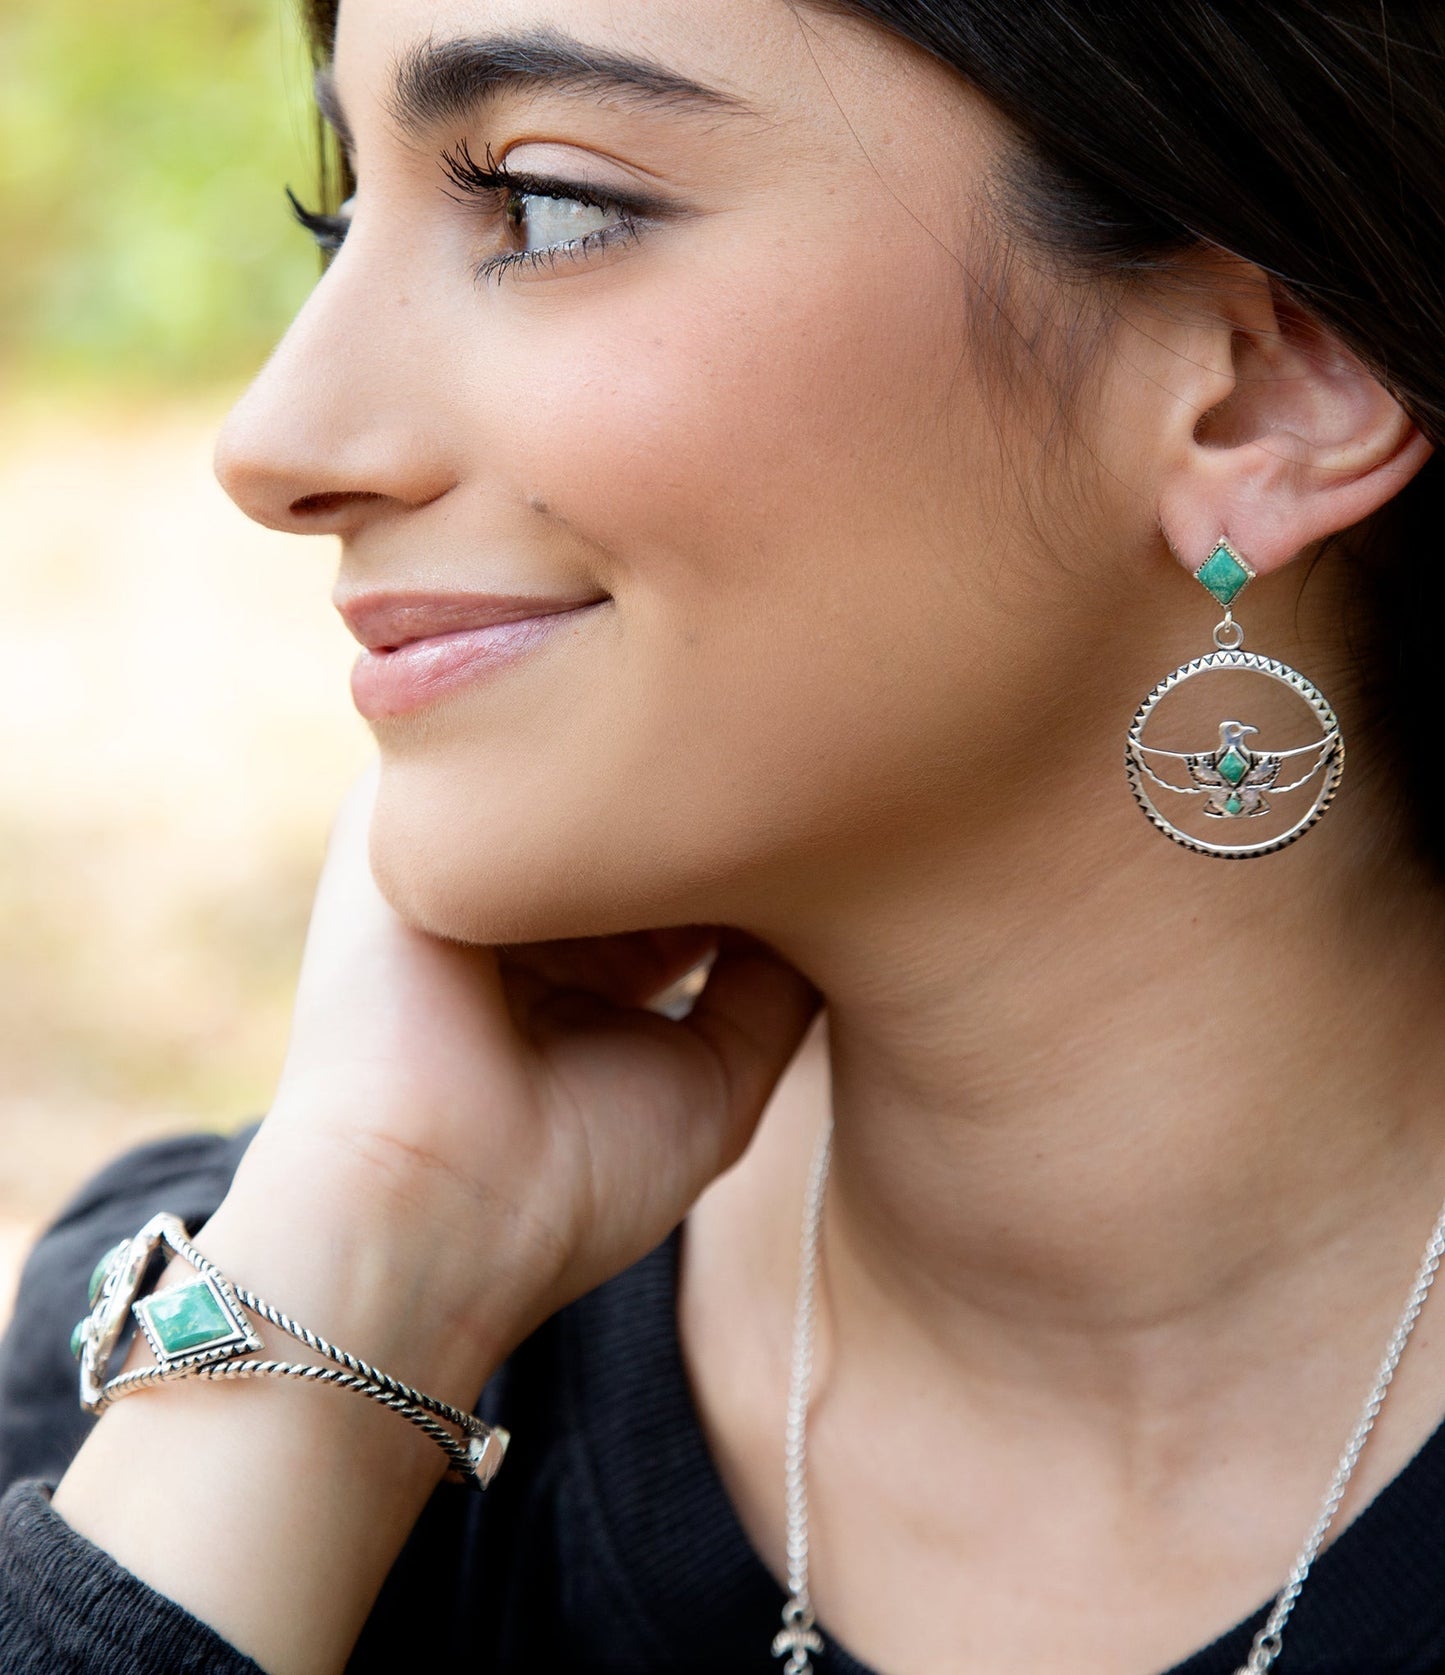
(385, 621)
(420, 646)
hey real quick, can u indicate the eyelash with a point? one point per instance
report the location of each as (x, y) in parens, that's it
(327, 230)
(474, 181)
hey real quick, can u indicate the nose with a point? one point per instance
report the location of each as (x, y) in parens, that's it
(343, 420)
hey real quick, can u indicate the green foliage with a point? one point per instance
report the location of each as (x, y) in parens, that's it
(143, 150)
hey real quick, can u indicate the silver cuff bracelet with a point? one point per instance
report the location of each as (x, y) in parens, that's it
(198, 1330)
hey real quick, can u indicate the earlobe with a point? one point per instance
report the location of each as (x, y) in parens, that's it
(1305, 443)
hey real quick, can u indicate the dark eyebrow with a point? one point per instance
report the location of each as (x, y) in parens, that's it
(444, 81)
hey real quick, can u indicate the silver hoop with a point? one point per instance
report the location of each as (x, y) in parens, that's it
(1258, 770)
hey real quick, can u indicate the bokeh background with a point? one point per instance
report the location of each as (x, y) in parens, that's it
(175, 725)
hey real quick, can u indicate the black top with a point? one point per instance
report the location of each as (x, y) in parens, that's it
(606, 1543)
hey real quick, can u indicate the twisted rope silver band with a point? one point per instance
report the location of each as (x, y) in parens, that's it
(474, 1458)
(145, 1377)
(467, 1422)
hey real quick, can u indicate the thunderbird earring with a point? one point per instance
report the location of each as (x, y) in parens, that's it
(1235, 781)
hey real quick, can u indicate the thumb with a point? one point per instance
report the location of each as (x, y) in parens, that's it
(752, 1014)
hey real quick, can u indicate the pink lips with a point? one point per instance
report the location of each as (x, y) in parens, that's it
(419, 646)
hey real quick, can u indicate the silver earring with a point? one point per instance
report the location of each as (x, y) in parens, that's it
(1233, 780)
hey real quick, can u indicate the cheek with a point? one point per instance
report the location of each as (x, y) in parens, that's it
(698, 428)
(766, 476)
(779, 472)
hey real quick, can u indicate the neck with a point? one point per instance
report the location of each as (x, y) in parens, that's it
(1079, 1107)
(1135, 1153)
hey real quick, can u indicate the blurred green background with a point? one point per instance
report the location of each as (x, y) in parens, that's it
(143, 151)
(175, 722)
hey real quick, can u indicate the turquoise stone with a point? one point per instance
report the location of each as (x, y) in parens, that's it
(77, 1339)
(98, 1273)
(1222, 574)
(187, 1317)
(1233, 806)
(1232, 766)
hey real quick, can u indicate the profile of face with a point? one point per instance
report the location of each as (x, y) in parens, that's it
(730, 387)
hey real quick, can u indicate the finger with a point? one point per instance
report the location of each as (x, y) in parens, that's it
(628, 970)
(752, 1016)
(347, 907)
(368, 979)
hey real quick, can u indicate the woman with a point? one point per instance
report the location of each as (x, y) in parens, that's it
(772, 446)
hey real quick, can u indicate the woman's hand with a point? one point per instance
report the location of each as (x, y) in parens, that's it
(517, 1111)
(463, 1139)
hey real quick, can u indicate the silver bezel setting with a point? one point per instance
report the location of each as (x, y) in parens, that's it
(101, 1328)
(240, 1340)
(1250, 573)
(1331, 767)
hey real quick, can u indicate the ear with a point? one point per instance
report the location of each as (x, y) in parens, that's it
(1290, 438)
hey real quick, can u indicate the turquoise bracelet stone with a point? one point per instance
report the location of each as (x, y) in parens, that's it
(102, 1268)
(199, 1327)
(186, 1318)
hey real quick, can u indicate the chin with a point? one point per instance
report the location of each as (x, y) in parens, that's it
(442, 879)
(482, 869)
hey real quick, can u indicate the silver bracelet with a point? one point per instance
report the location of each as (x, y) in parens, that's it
(198, 1330)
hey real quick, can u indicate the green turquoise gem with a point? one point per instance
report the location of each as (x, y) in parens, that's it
(1222, 574)
(187, 1317)
(77, 1340)
(98, 1273)
(1232, 766)
(1233, 806)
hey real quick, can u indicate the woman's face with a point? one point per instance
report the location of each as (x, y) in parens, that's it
(746, 417)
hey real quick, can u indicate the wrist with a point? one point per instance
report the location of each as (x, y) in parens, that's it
(156, 1481)
(408, 1304)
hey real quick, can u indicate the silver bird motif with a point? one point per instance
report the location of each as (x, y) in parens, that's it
(1234, 776)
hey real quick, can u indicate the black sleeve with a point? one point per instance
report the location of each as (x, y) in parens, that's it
(66, 1606)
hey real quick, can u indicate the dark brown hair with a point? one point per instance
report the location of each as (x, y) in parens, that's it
(1305, 136)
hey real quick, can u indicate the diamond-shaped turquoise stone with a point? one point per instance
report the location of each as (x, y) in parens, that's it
(1233, 766)
(1222, 574)
(98, 1273)
(187, 1317)
(1233, 806)
(77, 1340)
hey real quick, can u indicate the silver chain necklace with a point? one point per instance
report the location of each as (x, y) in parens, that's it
(798, 1639)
